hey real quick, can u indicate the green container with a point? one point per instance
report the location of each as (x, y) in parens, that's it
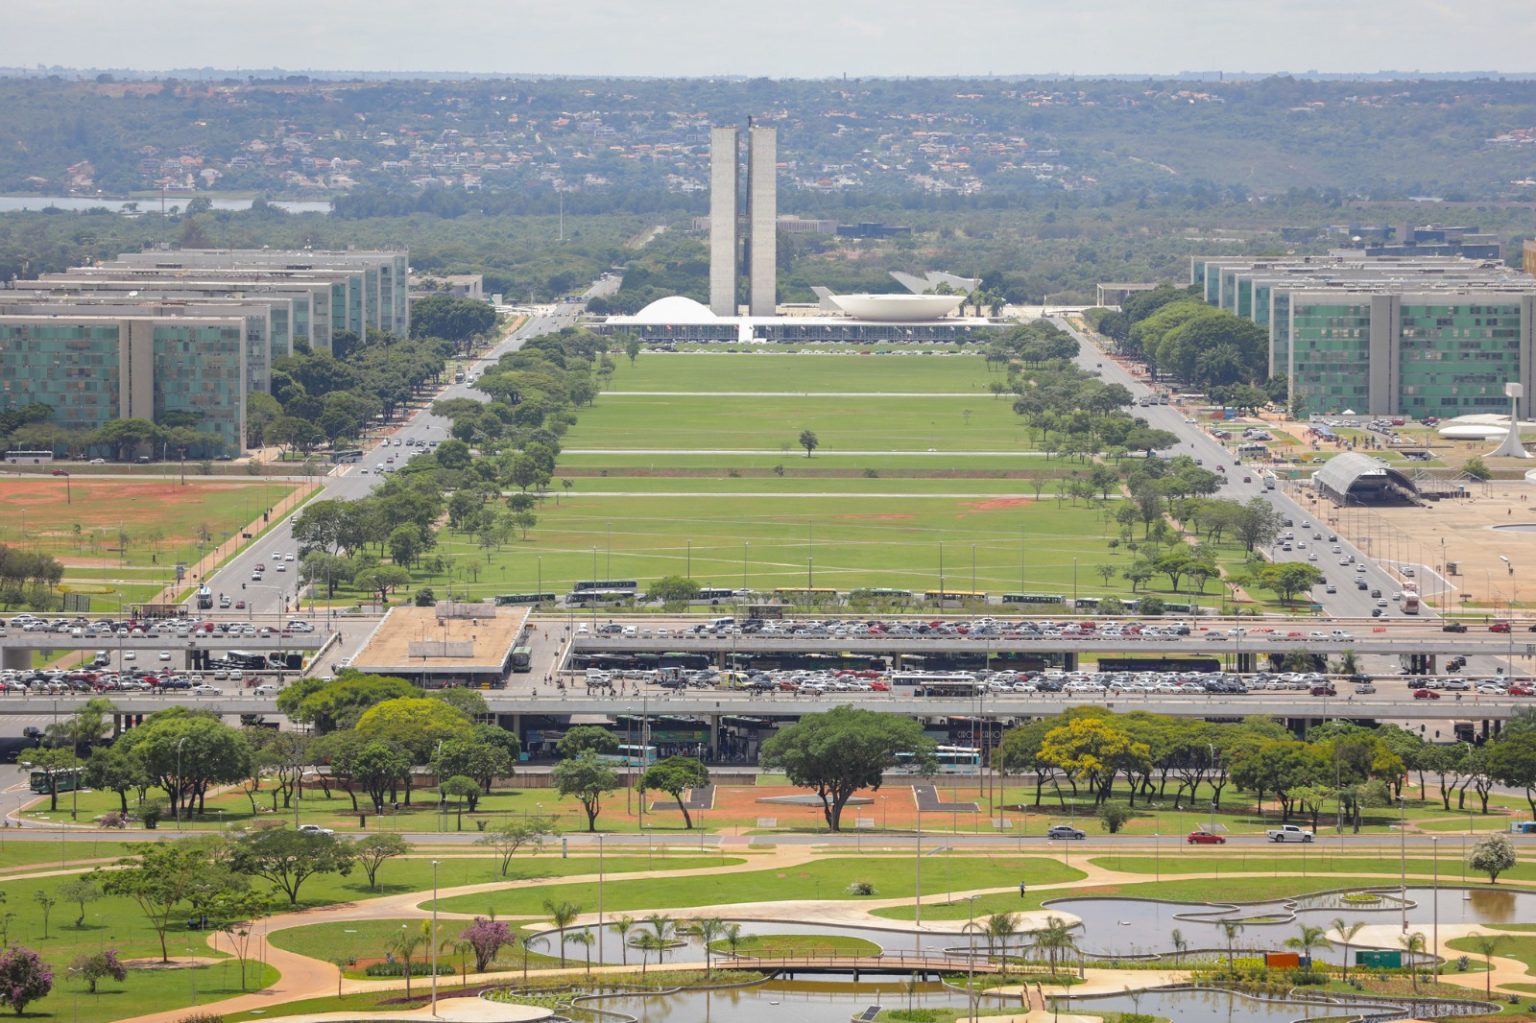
(1380, 959)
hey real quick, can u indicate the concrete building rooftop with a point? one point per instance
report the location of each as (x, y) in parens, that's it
(446, 642)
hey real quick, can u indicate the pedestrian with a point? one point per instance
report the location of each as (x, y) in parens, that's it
(1021, 889)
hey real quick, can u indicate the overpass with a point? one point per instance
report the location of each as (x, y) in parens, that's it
(17, 648)
(1427, 644)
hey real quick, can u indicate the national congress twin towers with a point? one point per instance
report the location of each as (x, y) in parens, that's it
(725, 248)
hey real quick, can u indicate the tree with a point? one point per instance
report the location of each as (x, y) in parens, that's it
(80, 890)
(159, 877)
(1347, 931)
(1512, 759)
(709, 930)
(1113, 817)
(1308, 938)
(842, 751)
(563, 914)
(116, 768)
(587, 739)
(586, 778)
(1288, 578)
(487, 938)
(1230, 929)
(45, 901)
(1476, 468)
(482, 761)
(24, 978)
(809, 441)
(416, 724)
(1493, 855)
(236, 911)
(56, 761)
(1487, 945)
(289, 858)
(94, 967)
(1413, 944)
(1055, 939)
(373, 851)
(188, 751)
(674, 775)
(465, 790)
(511, 835)
(672, 589)
(405, 945)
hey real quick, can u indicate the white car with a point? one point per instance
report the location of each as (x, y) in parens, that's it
(165, 655)
(203, 688)
(315, 829)
(267, 689)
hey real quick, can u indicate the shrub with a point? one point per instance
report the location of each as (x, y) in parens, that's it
(860, 888)
(1113, 817)
(398, 970)
(24, 978)
(113, 819)
(202, 1017)
(153, 812)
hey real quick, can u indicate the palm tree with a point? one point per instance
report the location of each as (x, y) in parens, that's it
(709, 929)
(1347, 932)
(999, 928)
(562, 913)
(622, 926)
(1179, 944)
(1307, 939)
(1055, 939)
(733, 937)
(586, 938)
(405, 945)
(645, 942)
(1230, 928)
(1486, 945)
(1413, 944)
(662, 929)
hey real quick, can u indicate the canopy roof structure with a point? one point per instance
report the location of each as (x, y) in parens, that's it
(1355, 477)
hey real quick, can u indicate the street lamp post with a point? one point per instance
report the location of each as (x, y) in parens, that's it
(917, 893)
(1434, 853)
(433, 939)
(1402, 858)
(180, 788)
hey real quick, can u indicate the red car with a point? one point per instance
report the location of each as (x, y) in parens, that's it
(1521, 691)
(1499, 627)
(59, 472)
(1201, 837)
(1425, 694)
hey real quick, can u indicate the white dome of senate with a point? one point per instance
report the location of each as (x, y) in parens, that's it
(897, 308)
(675, 309)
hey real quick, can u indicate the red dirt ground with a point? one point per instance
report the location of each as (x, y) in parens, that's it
(1000, 503)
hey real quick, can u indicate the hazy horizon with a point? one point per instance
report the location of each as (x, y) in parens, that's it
(792, 39)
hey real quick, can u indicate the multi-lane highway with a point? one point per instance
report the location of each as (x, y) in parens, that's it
(1348, 602)
(276, 592)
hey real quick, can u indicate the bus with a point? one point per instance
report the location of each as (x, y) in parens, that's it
(934, 683)
(946, 760)
(346, 455)
(505, 599)
(522, 659)
(246, 660)
(807, 595)
(19, 457)
(1034, 598)
(204, 598)
(881, 593)
(583, 585)
(630, 755)
(1410, 599)
(954, 596)
(714, 594)
(581, 598)
(67, 779)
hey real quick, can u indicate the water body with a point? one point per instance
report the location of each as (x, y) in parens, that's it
(76, 204)
(833, 1000)
(1214, 1006)
(691, 950)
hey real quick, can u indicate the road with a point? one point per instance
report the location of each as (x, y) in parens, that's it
(277, 591)
(1348, 602)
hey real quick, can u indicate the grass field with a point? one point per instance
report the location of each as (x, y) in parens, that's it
(120, 539)
(358, 942)
(821, 879)
(805, 373)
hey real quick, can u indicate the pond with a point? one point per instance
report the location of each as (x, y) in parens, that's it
(834, 1000)
(1208, 1005)
(690, 950)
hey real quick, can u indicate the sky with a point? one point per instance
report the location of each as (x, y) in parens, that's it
(775, 38)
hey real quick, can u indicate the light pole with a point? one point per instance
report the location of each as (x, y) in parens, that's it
(690, 559)
(600, 928)
(941, 573)
(970, 958)
(433, 939)
(180, 788)
(745, 545)
(1402, 859)
(1074, 586)
(1434, 852)
(917, 892)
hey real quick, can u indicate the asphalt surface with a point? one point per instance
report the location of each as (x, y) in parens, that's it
(277, 592)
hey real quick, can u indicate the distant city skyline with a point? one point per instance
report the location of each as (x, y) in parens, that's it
(789, 38)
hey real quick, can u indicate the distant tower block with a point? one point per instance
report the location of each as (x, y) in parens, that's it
(724, 249)
(763, 216)
(1510, 446)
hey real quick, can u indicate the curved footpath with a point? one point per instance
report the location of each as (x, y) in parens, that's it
(304, 978)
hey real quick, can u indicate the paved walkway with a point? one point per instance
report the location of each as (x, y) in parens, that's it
(453, 1010)
(304, 978)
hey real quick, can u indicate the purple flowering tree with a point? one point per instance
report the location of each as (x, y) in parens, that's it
(487, 937)
(24, 977)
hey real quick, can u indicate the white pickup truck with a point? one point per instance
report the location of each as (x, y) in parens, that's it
(1289, 833)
